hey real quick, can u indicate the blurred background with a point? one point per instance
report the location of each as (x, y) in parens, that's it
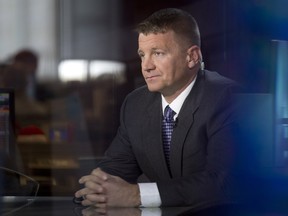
(70, 63)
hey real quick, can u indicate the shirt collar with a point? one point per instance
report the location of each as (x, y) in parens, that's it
(177, 103)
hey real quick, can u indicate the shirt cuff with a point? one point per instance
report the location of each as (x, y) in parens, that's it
(149, 195)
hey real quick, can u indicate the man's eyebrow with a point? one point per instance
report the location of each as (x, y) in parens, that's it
(139, 51)
(158, 49)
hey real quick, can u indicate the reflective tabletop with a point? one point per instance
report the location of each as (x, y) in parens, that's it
(63, 206)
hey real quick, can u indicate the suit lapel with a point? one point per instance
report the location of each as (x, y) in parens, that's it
(184, 123)
(152, 137)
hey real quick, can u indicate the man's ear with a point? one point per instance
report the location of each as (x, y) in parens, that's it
(194, 56)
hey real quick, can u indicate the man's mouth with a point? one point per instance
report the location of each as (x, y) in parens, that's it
(151, 77)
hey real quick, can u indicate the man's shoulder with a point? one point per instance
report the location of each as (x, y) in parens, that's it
(217, 81)
(214, 77)
(139, 90)
(141, 93)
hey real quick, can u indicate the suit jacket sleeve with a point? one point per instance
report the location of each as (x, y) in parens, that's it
(120, 159)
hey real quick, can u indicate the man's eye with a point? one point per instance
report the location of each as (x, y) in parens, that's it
(158, 53)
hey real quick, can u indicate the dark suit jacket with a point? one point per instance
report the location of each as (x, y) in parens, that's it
(202, 147)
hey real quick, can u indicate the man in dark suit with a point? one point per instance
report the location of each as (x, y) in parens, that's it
(196, 167)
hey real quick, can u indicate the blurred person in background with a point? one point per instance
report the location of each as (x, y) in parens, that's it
(27, 61)
(20, 74)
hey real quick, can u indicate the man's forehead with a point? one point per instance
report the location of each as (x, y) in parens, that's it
(151, 36)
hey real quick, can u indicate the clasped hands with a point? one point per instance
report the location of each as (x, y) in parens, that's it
(103, 190)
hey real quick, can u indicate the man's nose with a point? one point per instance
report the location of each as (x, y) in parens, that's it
(147, 64)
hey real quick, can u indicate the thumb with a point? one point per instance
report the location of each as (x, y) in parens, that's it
(100, 174)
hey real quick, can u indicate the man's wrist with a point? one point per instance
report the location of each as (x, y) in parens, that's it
(137, 196)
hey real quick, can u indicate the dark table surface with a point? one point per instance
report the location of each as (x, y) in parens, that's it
(56, 206)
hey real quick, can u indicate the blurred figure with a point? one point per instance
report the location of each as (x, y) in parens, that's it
(15, 78)
(19, 73)
(27, 62)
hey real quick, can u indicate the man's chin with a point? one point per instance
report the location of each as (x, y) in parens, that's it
(151, 89)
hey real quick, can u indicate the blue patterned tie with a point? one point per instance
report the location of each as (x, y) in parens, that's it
(167, 129)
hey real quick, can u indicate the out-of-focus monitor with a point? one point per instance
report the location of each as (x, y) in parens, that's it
(7, 122)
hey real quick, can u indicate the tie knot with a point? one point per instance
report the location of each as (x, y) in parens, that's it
(169, 114)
